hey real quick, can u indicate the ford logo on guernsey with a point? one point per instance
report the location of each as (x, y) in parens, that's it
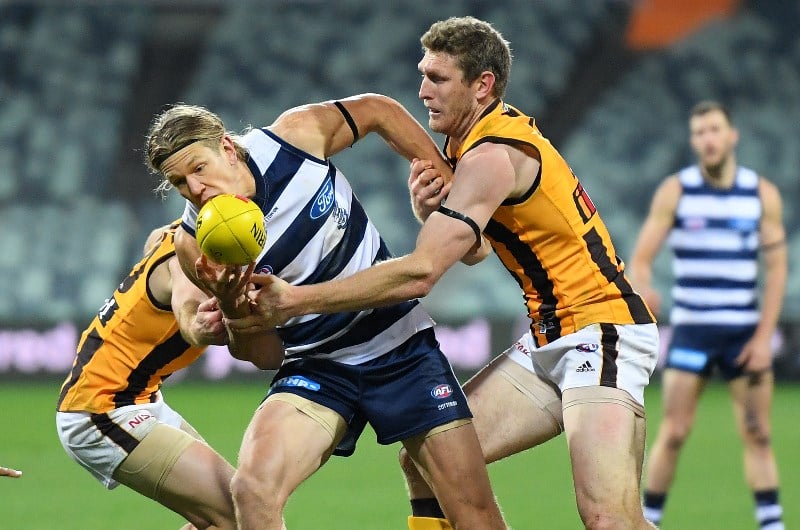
(441, 391)
(323, 201)
(298, 382)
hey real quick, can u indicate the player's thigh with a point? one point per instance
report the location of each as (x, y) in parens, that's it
(752, 401)
(186, 475)
(513, 409)
(289, 438)
(601, 428)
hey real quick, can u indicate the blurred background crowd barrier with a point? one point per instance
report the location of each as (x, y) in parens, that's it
(610, 82)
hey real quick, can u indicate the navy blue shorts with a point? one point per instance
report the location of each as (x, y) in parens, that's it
(403, 393)
(699, 348)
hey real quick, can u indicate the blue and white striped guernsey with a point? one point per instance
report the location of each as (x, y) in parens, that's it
(317, 231)
(715, 242)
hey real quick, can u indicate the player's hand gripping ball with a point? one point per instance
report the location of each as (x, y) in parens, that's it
(230, 230)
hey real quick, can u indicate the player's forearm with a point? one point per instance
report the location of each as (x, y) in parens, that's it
(405, 135)
(384, 284)
(265, 350)
(772, 299)
(640, 271)
(195, 331)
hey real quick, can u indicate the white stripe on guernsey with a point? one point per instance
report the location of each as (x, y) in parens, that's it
(416, 320)
(741, 270)
(261, 152)
(714, 207)
(745, 177)
(723, 317)
(711, 239)
(769, 511)
(713, 297)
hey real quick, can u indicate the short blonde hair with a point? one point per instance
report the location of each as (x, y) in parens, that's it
(180, 126)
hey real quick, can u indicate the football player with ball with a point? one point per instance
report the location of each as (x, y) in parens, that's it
(341, 370)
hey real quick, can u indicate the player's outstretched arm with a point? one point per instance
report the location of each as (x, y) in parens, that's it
(443, 240)
(324, 129)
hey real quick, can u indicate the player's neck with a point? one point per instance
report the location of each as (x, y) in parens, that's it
(457, 139)
(722, 175)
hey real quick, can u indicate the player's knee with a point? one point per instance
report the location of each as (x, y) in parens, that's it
(676, 434)
(756, 432)
(609, 508)
(250, 485)
(757, 436)
(600, 520)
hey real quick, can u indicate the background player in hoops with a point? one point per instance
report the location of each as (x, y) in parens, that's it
(719, 217)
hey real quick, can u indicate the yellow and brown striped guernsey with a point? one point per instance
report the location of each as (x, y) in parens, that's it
(131, 345)
(552, 240)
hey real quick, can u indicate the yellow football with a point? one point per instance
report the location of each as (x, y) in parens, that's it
(230, 230)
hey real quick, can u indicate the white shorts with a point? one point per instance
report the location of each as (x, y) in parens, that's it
(100, 442)
(616, 356)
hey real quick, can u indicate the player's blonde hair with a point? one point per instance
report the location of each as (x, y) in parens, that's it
(475, 44)
(180, 126)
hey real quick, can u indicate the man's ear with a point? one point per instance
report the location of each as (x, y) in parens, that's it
(485, 85)
(229, 149)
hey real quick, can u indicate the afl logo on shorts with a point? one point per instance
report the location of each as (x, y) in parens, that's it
(442, 391)
(587, 347)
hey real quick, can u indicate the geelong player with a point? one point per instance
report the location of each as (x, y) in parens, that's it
(112, 418)
(381, 366)
(719, 218)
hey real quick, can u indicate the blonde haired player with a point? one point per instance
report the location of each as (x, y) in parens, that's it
(112, 418)
(342, 371)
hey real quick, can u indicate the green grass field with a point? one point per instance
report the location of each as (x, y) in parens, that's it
(366, 491)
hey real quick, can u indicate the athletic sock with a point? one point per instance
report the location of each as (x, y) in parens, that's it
(427, 507)
(653, 506)
(428, 523)
(427, 515)
(768, 510)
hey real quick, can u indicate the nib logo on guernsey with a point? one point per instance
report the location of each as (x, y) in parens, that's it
(585, 367)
